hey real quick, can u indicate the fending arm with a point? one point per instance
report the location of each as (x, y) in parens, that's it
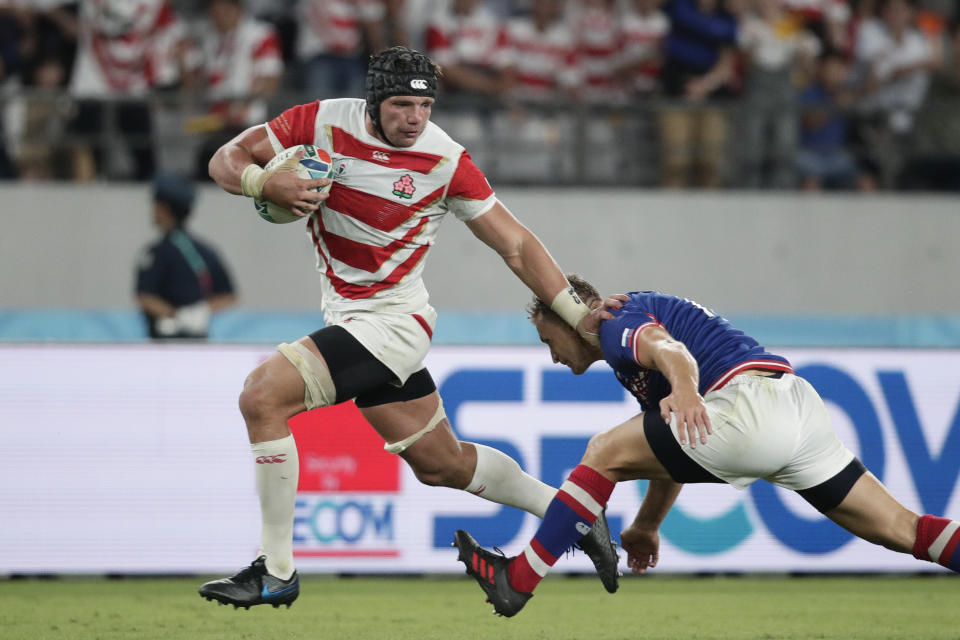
(529, 259)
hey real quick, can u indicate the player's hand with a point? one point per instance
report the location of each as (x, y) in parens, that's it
(688, 409)
(642, 546)
(613, 302)
(590, 323)
(288, 190)
(696, 90)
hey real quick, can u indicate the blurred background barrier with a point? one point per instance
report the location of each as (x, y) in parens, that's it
(128, 450)
(476, 328)
(800, 269)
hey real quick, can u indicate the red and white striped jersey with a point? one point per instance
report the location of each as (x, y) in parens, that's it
(597, 32)
(472, 40)
(373, 232)
(544, 62)
(833, 10)
(643, 36)
(334, 26)
(126, 48)
(231, 62)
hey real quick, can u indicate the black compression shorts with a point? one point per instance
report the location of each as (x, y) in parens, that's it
(358, 375)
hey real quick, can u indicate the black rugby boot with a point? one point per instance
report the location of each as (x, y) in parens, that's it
(490, 570)
(253, 586)
(602, 550)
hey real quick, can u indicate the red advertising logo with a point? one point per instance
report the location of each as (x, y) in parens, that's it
(340, 452)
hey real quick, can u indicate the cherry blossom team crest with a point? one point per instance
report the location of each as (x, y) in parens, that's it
(403, 188)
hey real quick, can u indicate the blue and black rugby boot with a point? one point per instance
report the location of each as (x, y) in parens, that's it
(602, 551)
(491, 571)
(253, 586)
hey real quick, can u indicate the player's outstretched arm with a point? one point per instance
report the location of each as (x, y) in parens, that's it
(530, 261)
(521, 250)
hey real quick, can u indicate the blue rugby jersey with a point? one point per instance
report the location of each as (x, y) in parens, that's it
(720, 349)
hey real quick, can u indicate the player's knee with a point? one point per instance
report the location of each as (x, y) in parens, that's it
(601, 453)
(598, 448)
(258, 400)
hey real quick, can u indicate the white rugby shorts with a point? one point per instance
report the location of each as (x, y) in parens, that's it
(398, 340)
(775, 429)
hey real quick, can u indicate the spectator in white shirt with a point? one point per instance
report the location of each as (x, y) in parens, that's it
(776, 46)
(894, 62)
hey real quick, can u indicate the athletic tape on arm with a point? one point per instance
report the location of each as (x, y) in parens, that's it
(568, 305)
(252, 180)
(400, 447)
(320, 390)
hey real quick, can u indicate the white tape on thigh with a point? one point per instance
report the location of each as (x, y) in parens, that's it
(403, 445)
(320, 391)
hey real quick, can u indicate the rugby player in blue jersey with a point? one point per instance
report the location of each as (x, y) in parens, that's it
(717, 407)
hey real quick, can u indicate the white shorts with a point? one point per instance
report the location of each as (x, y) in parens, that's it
(399, 340)
(775, 429)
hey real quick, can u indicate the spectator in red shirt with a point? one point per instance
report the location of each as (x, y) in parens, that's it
(540, 55)
(598, 34)
(465, 40)
(332, 44)
(237, 65)
(126, 50)
(644, 26)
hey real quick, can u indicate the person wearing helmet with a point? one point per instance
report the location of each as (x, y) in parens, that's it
(395, 177)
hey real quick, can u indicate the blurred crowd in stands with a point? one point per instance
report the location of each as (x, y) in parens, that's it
(785, 94)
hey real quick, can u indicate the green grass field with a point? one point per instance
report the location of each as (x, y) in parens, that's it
(453, 608)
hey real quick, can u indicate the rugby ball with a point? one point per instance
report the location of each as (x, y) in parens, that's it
(315, 163)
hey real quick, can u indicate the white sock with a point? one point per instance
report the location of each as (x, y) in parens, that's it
(278, 470)
(498, 478)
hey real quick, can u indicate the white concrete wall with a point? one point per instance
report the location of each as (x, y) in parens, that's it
(75, 247)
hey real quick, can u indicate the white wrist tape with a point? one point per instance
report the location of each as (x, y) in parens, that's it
(252, 180)
(568, 305)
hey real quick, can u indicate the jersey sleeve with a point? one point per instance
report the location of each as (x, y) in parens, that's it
(618, 336)
(470, 195)
(296, 125)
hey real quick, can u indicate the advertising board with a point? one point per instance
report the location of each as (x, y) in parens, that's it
(134, 459)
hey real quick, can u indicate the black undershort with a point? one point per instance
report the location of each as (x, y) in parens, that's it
(358, 375)
(830, 493)
(682, 468)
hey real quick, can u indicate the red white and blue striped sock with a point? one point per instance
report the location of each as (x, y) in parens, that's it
(577, 505)
(938, 540)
